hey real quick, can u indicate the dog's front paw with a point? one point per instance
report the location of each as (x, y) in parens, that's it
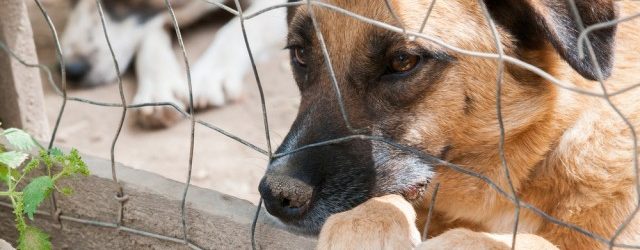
(216, 85)
(161, 79)
(386, 222)
(159, 116)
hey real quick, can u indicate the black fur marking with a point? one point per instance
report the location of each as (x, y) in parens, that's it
(554, 21)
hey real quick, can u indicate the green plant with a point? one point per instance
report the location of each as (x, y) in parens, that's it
(16, 163)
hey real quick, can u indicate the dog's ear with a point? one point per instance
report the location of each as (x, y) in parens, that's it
(533, 21)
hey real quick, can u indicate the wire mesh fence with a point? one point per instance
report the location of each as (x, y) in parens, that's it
(583, 43)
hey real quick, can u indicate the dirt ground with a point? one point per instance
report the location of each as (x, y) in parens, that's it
(220, 163)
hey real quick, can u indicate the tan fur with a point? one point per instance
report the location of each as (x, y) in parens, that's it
(466, 239)
(568, 154)
(367, 226)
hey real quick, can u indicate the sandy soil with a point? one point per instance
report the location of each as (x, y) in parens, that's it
(220, 163)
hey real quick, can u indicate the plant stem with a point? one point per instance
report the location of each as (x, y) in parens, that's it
(10, 193)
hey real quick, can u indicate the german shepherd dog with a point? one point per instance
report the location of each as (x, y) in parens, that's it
(569, 154)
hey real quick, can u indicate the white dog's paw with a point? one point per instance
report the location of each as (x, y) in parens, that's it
(161, 116)
(161, 79)
(215, 86)
(158, 116)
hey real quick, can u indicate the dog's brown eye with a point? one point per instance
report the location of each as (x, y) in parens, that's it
(403, 62)
(298, 56)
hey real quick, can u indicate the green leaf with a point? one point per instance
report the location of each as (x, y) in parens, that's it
(19, 139)
(13, 159)
(34, 238)
(35, 192)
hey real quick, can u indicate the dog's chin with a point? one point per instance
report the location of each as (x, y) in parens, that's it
(302, 230)
(294, 227)
(309, 225)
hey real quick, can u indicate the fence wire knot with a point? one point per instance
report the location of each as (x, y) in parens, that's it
(122, 198)
(56, 217)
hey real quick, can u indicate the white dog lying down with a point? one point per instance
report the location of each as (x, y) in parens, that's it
(143, 28)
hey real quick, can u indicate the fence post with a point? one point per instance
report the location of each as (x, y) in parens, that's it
(21, 94)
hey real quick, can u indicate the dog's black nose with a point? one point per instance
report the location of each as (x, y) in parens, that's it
(77, 70)
(285, 197)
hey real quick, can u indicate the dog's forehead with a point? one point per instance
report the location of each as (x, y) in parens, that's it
(460, 23)
(341, 33)
(453, 21)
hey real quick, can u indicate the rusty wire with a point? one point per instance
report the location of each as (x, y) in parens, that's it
(503, 159)
(120, 196)
(192, 120)
(499, 56)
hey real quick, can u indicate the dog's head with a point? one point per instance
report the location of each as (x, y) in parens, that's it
(416, 93)
(86, 53)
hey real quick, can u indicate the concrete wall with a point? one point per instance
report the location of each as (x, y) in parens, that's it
(21, 97)
(215, 220)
